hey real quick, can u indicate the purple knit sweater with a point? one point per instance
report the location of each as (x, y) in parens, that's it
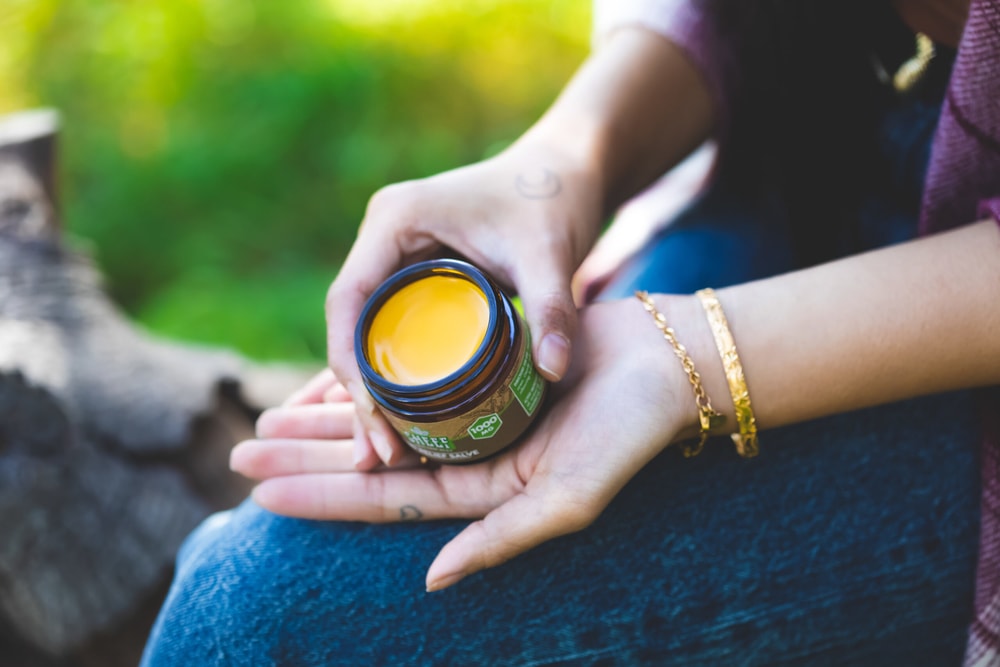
(962, 186)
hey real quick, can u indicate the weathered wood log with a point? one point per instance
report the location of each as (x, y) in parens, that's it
(113, 442)
(28, 163)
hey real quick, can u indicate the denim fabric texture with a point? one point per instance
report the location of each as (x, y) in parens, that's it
(850, 540)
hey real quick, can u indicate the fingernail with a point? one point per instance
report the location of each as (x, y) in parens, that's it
(381, 445)
(262, 495)
(445, 581)
(234, 458)
(553, 356)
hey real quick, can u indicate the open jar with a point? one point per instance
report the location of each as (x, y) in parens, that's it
(447, 359)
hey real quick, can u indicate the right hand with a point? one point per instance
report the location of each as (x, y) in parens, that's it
(625, 398)
(527, 217)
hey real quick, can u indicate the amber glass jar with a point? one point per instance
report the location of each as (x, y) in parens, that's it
(447, 358)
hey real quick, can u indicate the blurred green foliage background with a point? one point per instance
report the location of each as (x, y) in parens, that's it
(217, 155)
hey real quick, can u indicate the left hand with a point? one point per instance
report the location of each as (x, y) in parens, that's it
(625, 400)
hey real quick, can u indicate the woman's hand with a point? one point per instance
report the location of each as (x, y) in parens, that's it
(625, 399)
(527, 217)
(635, 108)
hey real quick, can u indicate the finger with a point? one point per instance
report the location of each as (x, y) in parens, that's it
(376, 253)
(313, 390)
(371, 260)
(545, 291)
(343, 309)
(513, 528)
(390, 447)
(389, 236)
(260, 459)
(365, 457)
(372, 428)
(323, 421)
(595, 287)
(379, 441)
(375, 497)
(596, 270)
(336, 394)
(587, 283)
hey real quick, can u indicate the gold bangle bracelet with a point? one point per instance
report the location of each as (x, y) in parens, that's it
(746, 439)
(708, 418)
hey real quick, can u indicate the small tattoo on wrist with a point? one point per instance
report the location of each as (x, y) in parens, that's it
(538, 183)
(410, 513)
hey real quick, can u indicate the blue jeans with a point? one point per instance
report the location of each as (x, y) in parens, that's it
(848, 541)
(851, 540)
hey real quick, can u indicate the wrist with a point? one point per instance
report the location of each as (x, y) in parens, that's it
(566, 158)
(686, 319)
(577, 141)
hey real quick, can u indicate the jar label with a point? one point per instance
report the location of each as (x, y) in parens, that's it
(527, 385)
(486, 429)
(422, 439)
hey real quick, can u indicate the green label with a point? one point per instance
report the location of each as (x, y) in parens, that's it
(418, 437)
(485, 427)
(527, 384)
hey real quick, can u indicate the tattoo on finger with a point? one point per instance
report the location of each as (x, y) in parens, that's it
(410, 513)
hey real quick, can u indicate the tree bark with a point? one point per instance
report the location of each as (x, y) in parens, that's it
(113, 442)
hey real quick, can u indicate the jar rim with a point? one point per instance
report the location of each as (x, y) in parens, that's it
(404, 277)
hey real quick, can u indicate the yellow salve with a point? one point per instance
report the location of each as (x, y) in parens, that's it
(427, 330)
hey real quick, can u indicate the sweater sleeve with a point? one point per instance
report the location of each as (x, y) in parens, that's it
(689, 25)
(990, 208)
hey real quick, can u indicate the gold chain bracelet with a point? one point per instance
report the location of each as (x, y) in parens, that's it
(746, 439)
(708, 417)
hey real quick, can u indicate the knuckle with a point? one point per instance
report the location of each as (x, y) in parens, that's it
(497, 549)
(374, 488)
(557, 312)
(332, 296)
(336, 294)
(394, 216)
(391, 200)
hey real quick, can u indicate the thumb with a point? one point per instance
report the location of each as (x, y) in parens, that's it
(372, 432)
(551, 313)
(520, 524)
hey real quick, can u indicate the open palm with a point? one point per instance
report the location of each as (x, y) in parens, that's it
(616, 410)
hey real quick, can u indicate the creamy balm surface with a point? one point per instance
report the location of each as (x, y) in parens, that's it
(428, 329)
(447, 358)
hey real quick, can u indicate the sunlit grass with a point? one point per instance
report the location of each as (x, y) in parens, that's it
(218, 154)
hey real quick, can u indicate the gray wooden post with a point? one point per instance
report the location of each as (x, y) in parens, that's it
(113, 442)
